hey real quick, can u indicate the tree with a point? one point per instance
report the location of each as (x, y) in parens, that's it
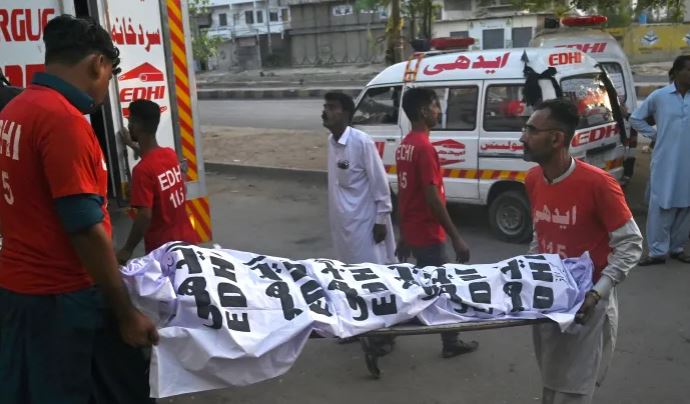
(203, 46)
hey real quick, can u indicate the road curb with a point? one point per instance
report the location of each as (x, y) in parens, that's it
(262, 94)
(274, 173)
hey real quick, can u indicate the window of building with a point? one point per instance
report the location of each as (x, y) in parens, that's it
(379, 106)
(284, 14)
(273, 15)
(460, 34)
(249, 17)
(222, 19)
(457, 5)
(259, 16)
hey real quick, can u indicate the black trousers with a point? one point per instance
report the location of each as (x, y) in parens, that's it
(66, 348)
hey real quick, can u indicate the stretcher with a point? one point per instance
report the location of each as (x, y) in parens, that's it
(372, 353)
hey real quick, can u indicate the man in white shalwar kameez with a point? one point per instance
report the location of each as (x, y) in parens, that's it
(359, 200)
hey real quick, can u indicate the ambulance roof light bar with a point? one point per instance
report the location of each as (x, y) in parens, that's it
(445, 44)
(584, 21)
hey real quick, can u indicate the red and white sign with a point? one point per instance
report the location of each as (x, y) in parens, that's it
(462, 62)
(595, 47)
(138, 35)
(449, 151)
(594, 135)
(153, 88)
(21, 37)
(565, 58)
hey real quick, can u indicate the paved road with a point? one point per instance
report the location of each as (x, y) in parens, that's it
(271, 114)
(289, 218)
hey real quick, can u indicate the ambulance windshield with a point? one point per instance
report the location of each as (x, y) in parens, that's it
(592, 100)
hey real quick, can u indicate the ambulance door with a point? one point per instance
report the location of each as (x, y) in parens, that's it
(456, 139)
(500, 149)
(140, 38)
(378, 114)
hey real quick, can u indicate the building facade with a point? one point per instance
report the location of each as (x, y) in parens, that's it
(494, 24)
(253, 33)
(328, 32)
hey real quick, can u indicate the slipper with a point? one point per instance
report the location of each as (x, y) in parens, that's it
(649, 261)
(681, 256)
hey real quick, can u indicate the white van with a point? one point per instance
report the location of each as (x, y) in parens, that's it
(581, 33)
(486, 98)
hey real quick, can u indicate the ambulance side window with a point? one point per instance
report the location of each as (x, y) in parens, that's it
(504, 109)
(461, 110)
(378, 106)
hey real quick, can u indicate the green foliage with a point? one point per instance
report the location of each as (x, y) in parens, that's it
(203, 46)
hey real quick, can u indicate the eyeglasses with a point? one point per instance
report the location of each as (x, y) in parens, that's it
(529, 129)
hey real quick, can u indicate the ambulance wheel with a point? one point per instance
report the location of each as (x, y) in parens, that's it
(510, 218)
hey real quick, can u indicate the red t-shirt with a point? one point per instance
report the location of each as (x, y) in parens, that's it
(47, 150)
(577, 214)
(418, 166)
(157, 183)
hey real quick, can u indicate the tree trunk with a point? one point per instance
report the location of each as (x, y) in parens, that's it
(393, 44)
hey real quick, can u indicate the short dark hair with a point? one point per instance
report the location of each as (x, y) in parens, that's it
(679, 63)
(345, 101)
(147, 114)
(563, 112)
(69, 40)
(415, 99)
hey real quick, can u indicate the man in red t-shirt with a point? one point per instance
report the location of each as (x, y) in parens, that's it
(158, 191)
(59, 340)
(424, 220)
(576, 208)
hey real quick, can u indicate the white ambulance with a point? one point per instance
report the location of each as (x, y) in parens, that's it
(582, 32)
(155, 52)
(486, 98)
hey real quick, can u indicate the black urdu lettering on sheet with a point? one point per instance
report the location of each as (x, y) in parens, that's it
(363, 274)
(313, 293)
(541, 271)
(513, 290)
(196, 286)
(231, 295)
(543, 297)
(354, 300)
(330, 269)
(281, 290)
(190, 260)
(222, 268)
(513, 268)
(480, 293)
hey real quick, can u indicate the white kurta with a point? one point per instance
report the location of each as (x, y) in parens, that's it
(358, 198)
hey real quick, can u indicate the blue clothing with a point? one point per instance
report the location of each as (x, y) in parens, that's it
(667, 230)
(670, 182)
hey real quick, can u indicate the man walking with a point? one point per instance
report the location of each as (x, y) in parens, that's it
(59, 340)
(158, 191)
(359, 201)
(424, 220)
(668, 216)
(600, 222)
